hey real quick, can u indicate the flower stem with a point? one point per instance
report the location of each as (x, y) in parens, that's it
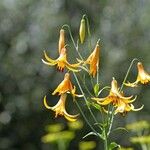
(85, 117)
(128, 71)
(111, 121)
(105, 141)
(85, 98)
(76, 46)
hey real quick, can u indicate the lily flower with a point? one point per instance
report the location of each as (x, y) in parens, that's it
(142, 77)
(61, 61)
(60, 109)
(66, 86)
(93, 60)
(118, 99)
(123, 107)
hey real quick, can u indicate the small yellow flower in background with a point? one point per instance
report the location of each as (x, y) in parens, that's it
(82, 30)
(87, 145)
(142, 139)
(118, 99)
(125, 148)
(93, 60)
(143, 77)
(59, 108)
(66, 86)
(61, 61)
(138, 126)
(62, 136)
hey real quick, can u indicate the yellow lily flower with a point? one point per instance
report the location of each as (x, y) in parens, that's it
(118, 99)
(93, 60)
(66, 86)
(124, 107)
(61, 61)
(142, 77)
(59, 108)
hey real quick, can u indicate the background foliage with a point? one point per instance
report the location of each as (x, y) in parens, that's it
(27, 27)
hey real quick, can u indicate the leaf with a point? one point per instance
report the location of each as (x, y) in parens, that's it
(90, 133)
(95, 134)
(96, 89)
(97, 106)
(113, 145)
(120, 128)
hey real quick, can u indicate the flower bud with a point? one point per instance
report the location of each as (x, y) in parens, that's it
(61, 40)
(82, 30)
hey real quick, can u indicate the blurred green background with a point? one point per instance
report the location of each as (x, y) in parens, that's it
(27, 27)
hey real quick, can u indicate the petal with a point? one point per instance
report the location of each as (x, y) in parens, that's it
(103, 101)
(134, 84)
(74, 94)
(48, 63)
(129, 100)
(48, 58)
(72, 67)
(69, 117)
(46, 105)
(137, 109)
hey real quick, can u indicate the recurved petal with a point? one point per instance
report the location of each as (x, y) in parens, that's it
(134, 84)
(103, 101)
(46, 105)
(48, 58)
(69, 117)
(48, 63)
(126, 98)
(127, 101)
(73, 92)
(73, 67)
(136, 109)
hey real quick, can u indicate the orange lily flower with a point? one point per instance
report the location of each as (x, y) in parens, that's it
(142, 77)
(59, 108)
(61, 61)
(124, 107)
(66, 86)
(118, 99)
(93, 60)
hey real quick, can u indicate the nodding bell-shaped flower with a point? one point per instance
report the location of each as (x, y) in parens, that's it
(123, 107)
(66, 86)
(117, 99)
(93, 60)
(143, 77)
(61, 61)
(60, 109)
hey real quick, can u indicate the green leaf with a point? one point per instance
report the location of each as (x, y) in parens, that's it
(113, 145)
(120, 128)
(97, 106)
(93, 133)
(96, 89)
(90, 133)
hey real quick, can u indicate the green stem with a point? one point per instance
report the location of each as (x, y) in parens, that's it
(111, 121)
(85, 98)
(86, 118)
(106, 87)
(105, 141)
(125, 78)
(70, 33)
(86, 87)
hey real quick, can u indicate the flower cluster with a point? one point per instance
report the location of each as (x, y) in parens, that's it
(116, 97)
